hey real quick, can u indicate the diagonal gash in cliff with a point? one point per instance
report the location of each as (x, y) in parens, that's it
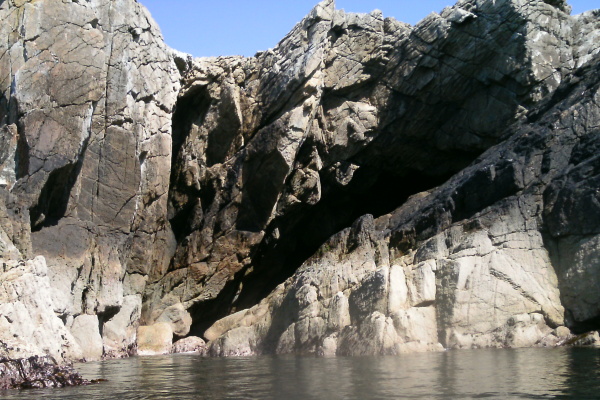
(365, 187)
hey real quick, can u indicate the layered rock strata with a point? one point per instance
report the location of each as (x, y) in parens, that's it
(365, 187)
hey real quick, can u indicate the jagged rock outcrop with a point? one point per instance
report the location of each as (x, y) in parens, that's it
(29, 326)
(487, 273)
(351, 115)
(365, 187)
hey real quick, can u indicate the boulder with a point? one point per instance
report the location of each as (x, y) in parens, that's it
(190, 344)
(119, 333)
(179, 319)
(155, 339)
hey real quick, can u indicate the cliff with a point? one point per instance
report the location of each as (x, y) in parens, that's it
(365, 187)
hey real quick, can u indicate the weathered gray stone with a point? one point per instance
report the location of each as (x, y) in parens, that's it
(476, 262)
(119, 332)
(28, 325)
(179, 319)
(87, 91)
(349, 114)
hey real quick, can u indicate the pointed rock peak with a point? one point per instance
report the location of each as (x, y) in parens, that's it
(376, 13)
(323, 11)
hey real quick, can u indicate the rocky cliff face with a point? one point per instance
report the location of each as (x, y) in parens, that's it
(365, 187)
(87, 92)
(493, 270)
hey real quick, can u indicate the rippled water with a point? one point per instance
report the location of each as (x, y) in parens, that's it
(474, 374)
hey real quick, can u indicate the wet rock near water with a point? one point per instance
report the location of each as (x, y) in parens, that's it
(155, 339)
(190, 344)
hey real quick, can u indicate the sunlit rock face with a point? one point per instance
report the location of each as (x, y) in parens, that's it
(87, 89)
(365, 187)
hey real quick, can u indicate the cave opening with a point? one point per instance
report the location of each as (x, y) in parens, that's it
(190, 111)
(588, 325)
(207, 312)
(303, 231)
(54, 198)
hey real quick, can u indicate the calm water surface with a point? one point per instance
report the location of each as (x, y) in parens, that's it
(472, 374)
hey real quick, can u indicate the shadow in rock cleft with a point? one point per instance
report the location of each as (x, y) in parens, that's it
(301, 233)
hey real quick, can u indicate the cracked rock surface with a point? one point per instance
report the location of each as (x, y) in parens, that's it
(365, 187)
(87, 89)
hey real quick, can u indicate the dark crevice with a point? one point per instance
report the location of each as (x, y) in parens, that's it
(263, 180)
(302, 232)
(190, 110)
(22, 154)
(183, 64)
(500, 181)
(4, 109)
(106, 316)
(589, 325)
(181, 221)
(227, 133)
(54, 198)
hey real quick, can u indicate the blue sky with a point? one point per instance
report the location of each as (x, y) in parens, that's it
(243, 27)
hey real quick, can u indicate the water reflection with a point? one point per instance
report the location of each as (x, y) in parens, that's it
(494, 374)
(582, 376)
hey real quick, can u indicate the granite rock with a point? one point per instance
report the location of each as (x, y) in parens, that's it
(28, 324)
(503, 254)
(357, 114)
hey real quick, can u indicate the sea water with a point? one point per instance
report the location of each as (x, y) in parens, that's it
(566, 373)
